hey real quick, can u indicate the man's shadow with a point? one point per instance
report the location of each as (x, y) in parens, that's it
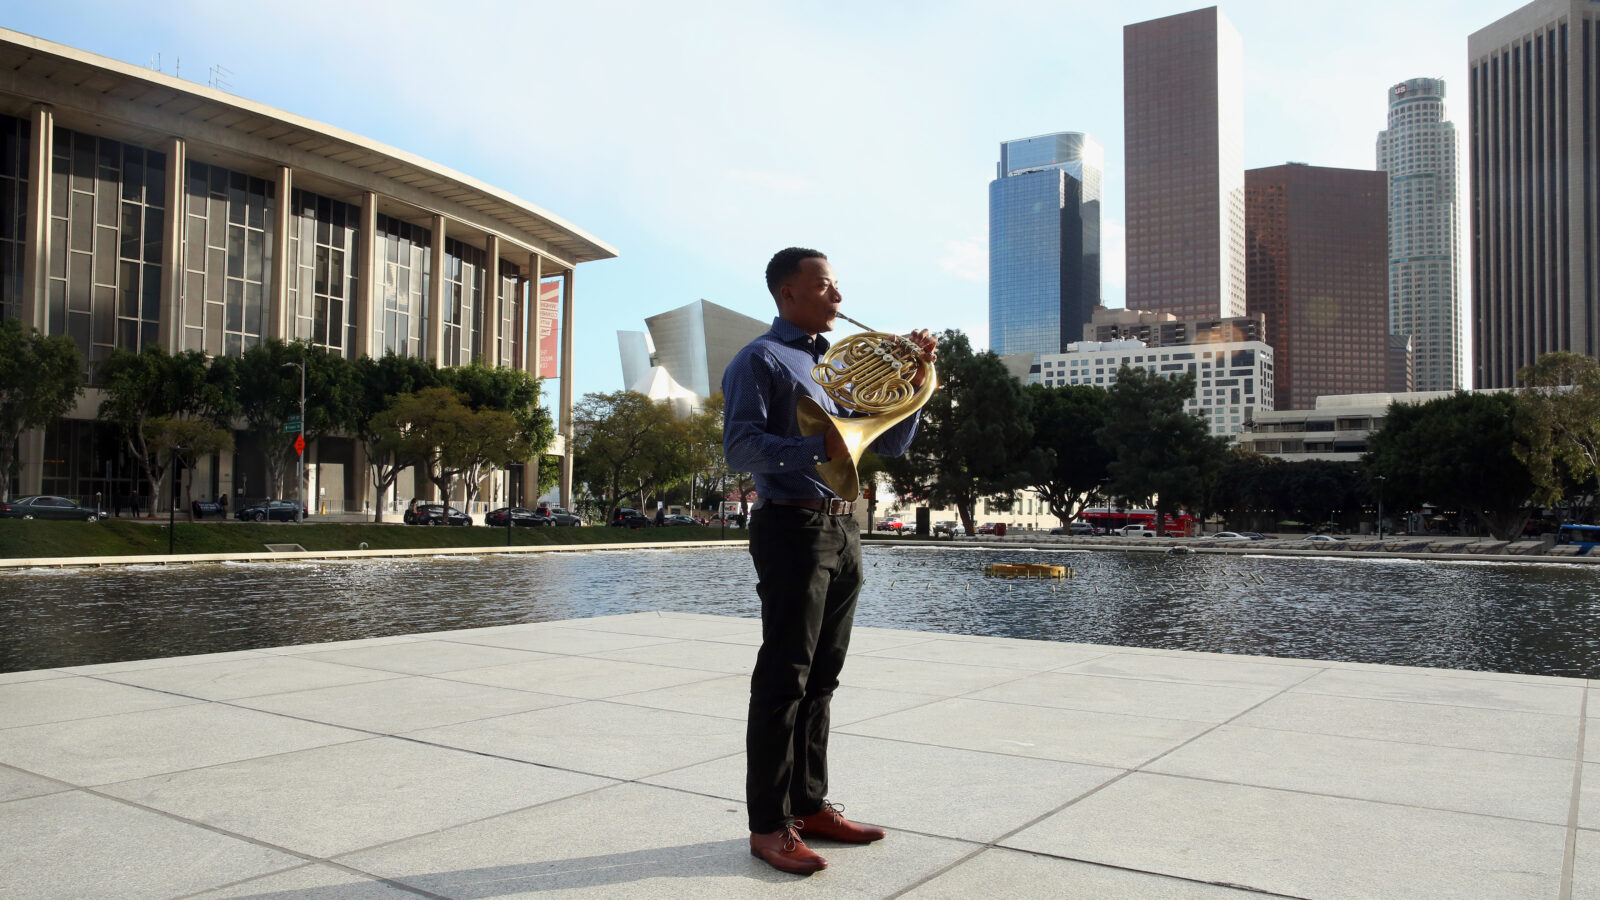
(708, 859)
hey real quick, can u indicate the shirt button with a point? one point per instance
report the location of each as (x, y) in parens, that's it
(780, 464)
(816, 457)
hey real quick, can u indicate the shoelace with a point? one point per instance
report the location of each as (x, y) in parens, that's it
(834, 809)
(791, 836)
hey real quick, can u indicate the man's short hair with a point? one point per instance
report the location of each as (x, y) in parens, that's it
(785, 263)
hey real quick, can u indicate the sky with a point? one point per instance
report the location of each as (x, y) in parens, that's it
(700, 137)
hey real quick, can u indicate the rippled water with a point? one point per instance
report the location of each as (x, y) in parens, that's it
(1505, 617)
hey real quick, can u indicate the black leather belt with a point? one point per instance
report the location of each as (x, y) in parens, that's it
(821, 504)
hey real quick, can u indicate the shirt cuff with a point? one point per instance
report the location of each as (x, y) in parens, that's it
(808, 453)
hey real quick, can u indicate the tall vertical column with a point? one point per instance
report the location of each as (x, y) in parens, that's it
(491, 302)
(434, 346)
(171, 329)
(280, 318)
(566, 386)
(519, 325)
(371, 267)
(33, 304)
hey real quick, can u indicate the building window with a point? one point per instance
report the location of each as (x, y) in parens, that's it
(107, 231)
(324, 259)
(227, 255)
(403, 301)
(15, 148)
(463, 303)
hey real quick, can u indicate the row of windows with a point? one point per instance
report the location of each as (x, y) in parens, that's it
(107, 239)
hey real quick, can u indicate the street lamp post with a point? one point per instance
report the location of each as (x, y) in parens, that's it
(1379, 479)
(172, 502)
(300, 456)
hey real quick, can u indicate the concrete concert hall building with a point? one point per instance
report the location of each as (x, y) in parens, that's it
(139, 209)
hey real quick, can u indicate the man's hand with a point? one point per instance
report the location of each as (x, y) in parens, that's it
(930, 352)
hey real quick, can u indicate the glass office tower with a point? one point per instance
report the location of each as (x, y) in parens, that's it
(1044, 242)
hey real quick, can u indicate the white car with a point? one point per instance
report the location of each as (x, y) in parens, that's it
(1136, 531)
(1321, 538)
(1226, 536)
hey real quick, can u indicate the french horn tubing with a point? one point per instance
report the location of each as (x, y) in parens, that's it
(870, 374)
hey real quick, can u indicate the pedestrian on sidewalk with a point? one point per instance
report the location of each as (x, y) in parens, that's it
(806, 547)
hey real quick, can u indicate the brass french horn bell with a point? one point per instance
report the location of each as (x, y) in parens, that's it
(868, 373)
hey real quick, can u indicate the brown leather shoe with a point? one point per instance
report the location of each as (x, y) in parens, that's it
(829, 822)
(784, 851)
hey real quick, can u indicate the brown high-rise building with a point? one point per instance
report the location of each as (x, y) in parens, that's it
(1319, 272)
(1534, 112)
(1183, 118)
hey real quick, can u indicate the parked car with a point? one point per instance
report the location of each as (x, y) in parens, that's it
(276, 510)
(731, 520)
(1226, 536)
(1321, 538)
(435, 514)
(559, 515)
(628, 517)
(891, 523)
(1073, 528)
(1254, 535)
(1136, 531)
(987, 527)
(46, 506)
(520, 516)
(949, 527)
(679, 519)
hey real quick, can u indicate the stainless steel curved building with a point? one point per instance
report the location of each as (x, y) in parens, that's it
(138, 208)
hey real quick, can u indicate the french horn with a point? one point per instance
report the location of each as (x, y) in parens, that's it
(870, 374)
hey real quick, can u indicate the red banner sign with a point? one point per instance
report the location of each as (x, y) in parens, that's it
(549, 328)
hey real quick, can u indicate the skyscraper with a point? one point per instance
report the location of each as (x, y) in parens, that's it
(1534, 113)
(1183, 117)
(1418, 150)
(1319, 273)
(1044, 242)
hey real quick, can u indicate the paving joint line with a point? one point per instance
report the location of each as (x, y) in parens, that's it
(1569, 847)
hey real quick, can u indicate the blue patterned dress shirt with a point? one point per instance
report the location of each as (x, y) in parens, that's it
(761, 435)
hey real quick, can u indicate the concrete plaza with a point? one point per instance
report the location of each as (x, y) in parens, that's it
(603, 758)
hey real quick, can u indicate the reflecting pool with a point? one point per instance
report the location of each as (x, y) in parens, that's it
(1540, 618)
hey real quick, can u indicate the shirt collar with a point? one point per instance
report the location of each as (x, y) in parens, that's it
(789, 333)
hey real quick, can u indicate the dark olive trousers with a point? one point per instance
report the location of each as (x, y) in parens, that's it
(808, 566)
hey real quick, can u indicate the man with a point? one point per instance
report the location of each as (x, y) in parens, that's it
(807, 553)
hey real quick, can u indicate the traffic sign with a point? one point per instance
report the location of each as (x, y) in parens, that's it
(292, 426)
(299, 445)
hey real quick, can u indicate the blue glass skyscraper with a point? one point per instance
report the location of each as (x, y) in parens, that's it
(1044, 242)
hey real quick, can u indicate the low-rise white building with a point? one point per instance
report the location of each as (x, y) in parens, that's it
(1233, 379)
(1337, 429)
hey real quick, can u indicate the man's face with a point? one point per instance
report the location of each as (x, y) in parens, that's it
(810, 299)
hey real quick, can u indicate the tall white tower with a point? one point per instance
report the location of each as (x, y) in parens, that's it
(1418, 150)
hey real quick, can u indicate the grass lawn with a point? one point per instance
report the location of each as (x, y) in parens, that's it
(129, 537)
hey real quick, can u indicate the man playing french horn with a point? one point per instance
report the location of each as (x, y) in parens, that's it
(805, 542)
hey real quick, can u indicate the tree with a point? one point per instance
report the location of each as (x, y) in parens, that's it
(449, 439)
(1072, 462)
(375, 385)
(975, 440)
(510, 391)
(182, 441)
(269, 395)
(40, 380)
(1159, 450)
(1456, 451)
(617, 439)
(153, 384)
(1559, 416)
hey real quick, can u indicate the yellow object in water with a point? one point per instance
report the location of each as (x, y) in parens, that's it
(1025, 570)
